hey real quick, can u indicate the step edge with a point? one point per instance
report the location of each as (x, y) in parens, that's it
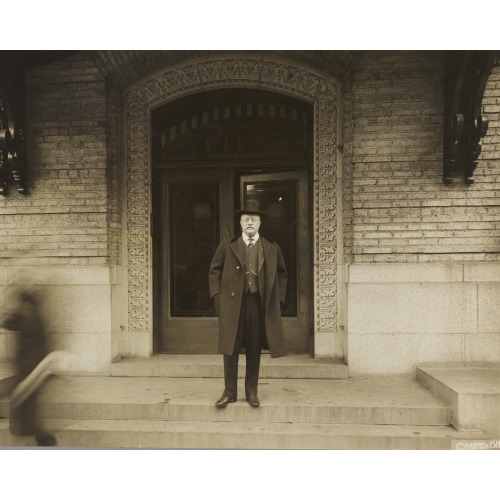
(134, 423)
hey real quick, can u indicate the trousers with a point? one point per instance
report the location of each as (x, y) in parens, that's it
(250, 335)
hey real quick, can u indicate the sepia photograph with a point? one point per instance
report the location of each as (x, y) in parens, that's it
(249, 248)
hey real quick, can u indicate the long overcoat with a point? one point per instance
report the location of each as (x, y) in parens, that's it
(226, 281)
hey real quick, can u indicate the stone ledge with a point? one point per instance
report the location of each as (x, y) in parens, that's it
(482, 271)
(56, 275)
(406, 273)
(424, 272)
(472, 392)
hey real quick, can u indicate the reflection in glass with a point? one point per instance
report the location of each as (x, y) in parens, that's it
(279, 200)
(194, 220)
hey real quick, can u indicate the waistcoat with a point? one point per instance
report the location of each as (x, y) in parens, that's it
(251, 267)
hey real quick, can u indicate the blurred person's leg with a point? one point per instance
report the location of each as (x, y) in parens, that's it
(23, 417)
(24, 421)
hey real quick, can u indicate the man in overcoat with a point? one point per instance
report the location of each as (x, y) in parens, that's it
(247, 281)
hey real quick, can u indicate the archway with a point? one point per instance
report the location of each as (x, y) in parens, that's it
(323, 94)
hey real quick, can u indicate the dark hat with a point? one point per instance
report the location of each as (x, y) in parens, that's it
(250, 207)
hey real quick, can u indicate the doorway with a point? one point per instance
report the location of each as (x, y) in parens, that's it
(212, 152)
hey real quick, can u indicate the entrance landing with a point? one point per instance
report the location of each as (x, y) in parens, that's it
(211, 366)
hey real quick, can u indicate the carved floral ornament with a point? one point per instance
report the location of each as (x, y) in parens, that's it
(218, 74)
(234, 72)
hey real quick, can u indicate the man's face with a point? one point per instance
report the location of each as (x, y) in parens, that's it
(250, 224)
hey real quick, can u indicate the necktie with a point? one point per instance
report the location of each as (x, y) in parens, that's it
(250, 242)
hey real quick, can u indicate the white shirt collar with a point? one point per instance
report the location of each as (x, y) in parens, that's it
(245, 238)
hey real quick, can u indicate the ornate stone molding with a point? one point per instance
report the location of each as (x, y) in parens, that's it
(221, 73)
(326, 216)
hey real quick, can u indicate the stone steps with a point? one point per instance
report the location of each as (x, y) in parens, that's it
(373, 402)
(210, 366)
(240, 435)
(162, 403)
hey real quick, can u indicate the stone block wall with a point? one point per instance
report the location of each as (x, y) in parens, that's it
(406, 315)
(423, 286)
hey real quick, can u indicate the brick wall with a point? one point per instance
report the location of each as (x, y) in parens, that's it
(402, 212)
(64, 218)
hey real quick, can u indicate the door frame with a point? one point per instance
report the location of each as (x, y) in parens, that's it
(326, 95)
(297, 327)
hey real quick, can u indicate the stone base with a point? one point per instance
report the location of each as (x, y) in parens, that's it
(473, 393)
(401, 316)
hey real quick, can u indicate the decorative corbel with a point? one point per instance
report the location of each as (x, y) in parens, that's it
(467, 73)
(12, 150)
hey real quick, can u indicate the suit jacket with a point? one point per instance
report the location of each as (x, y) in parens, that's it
(226, 281)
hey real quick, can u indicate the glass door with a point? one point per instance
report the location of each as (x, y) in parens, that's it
(195, 212)
(284, 198)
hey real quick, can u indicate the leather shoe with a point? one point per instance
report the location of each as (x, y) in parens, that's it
(253, 400)
(224, 401)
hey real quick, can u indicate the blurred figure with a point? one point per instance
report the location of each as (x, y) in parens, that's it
(32, 349)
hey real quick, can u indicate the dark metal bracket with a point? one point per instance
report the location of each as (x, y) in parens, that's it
(466, 75)
(12, 150)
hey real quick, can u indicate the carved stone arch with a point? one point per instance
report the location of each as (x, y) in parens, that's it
(324, 93)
